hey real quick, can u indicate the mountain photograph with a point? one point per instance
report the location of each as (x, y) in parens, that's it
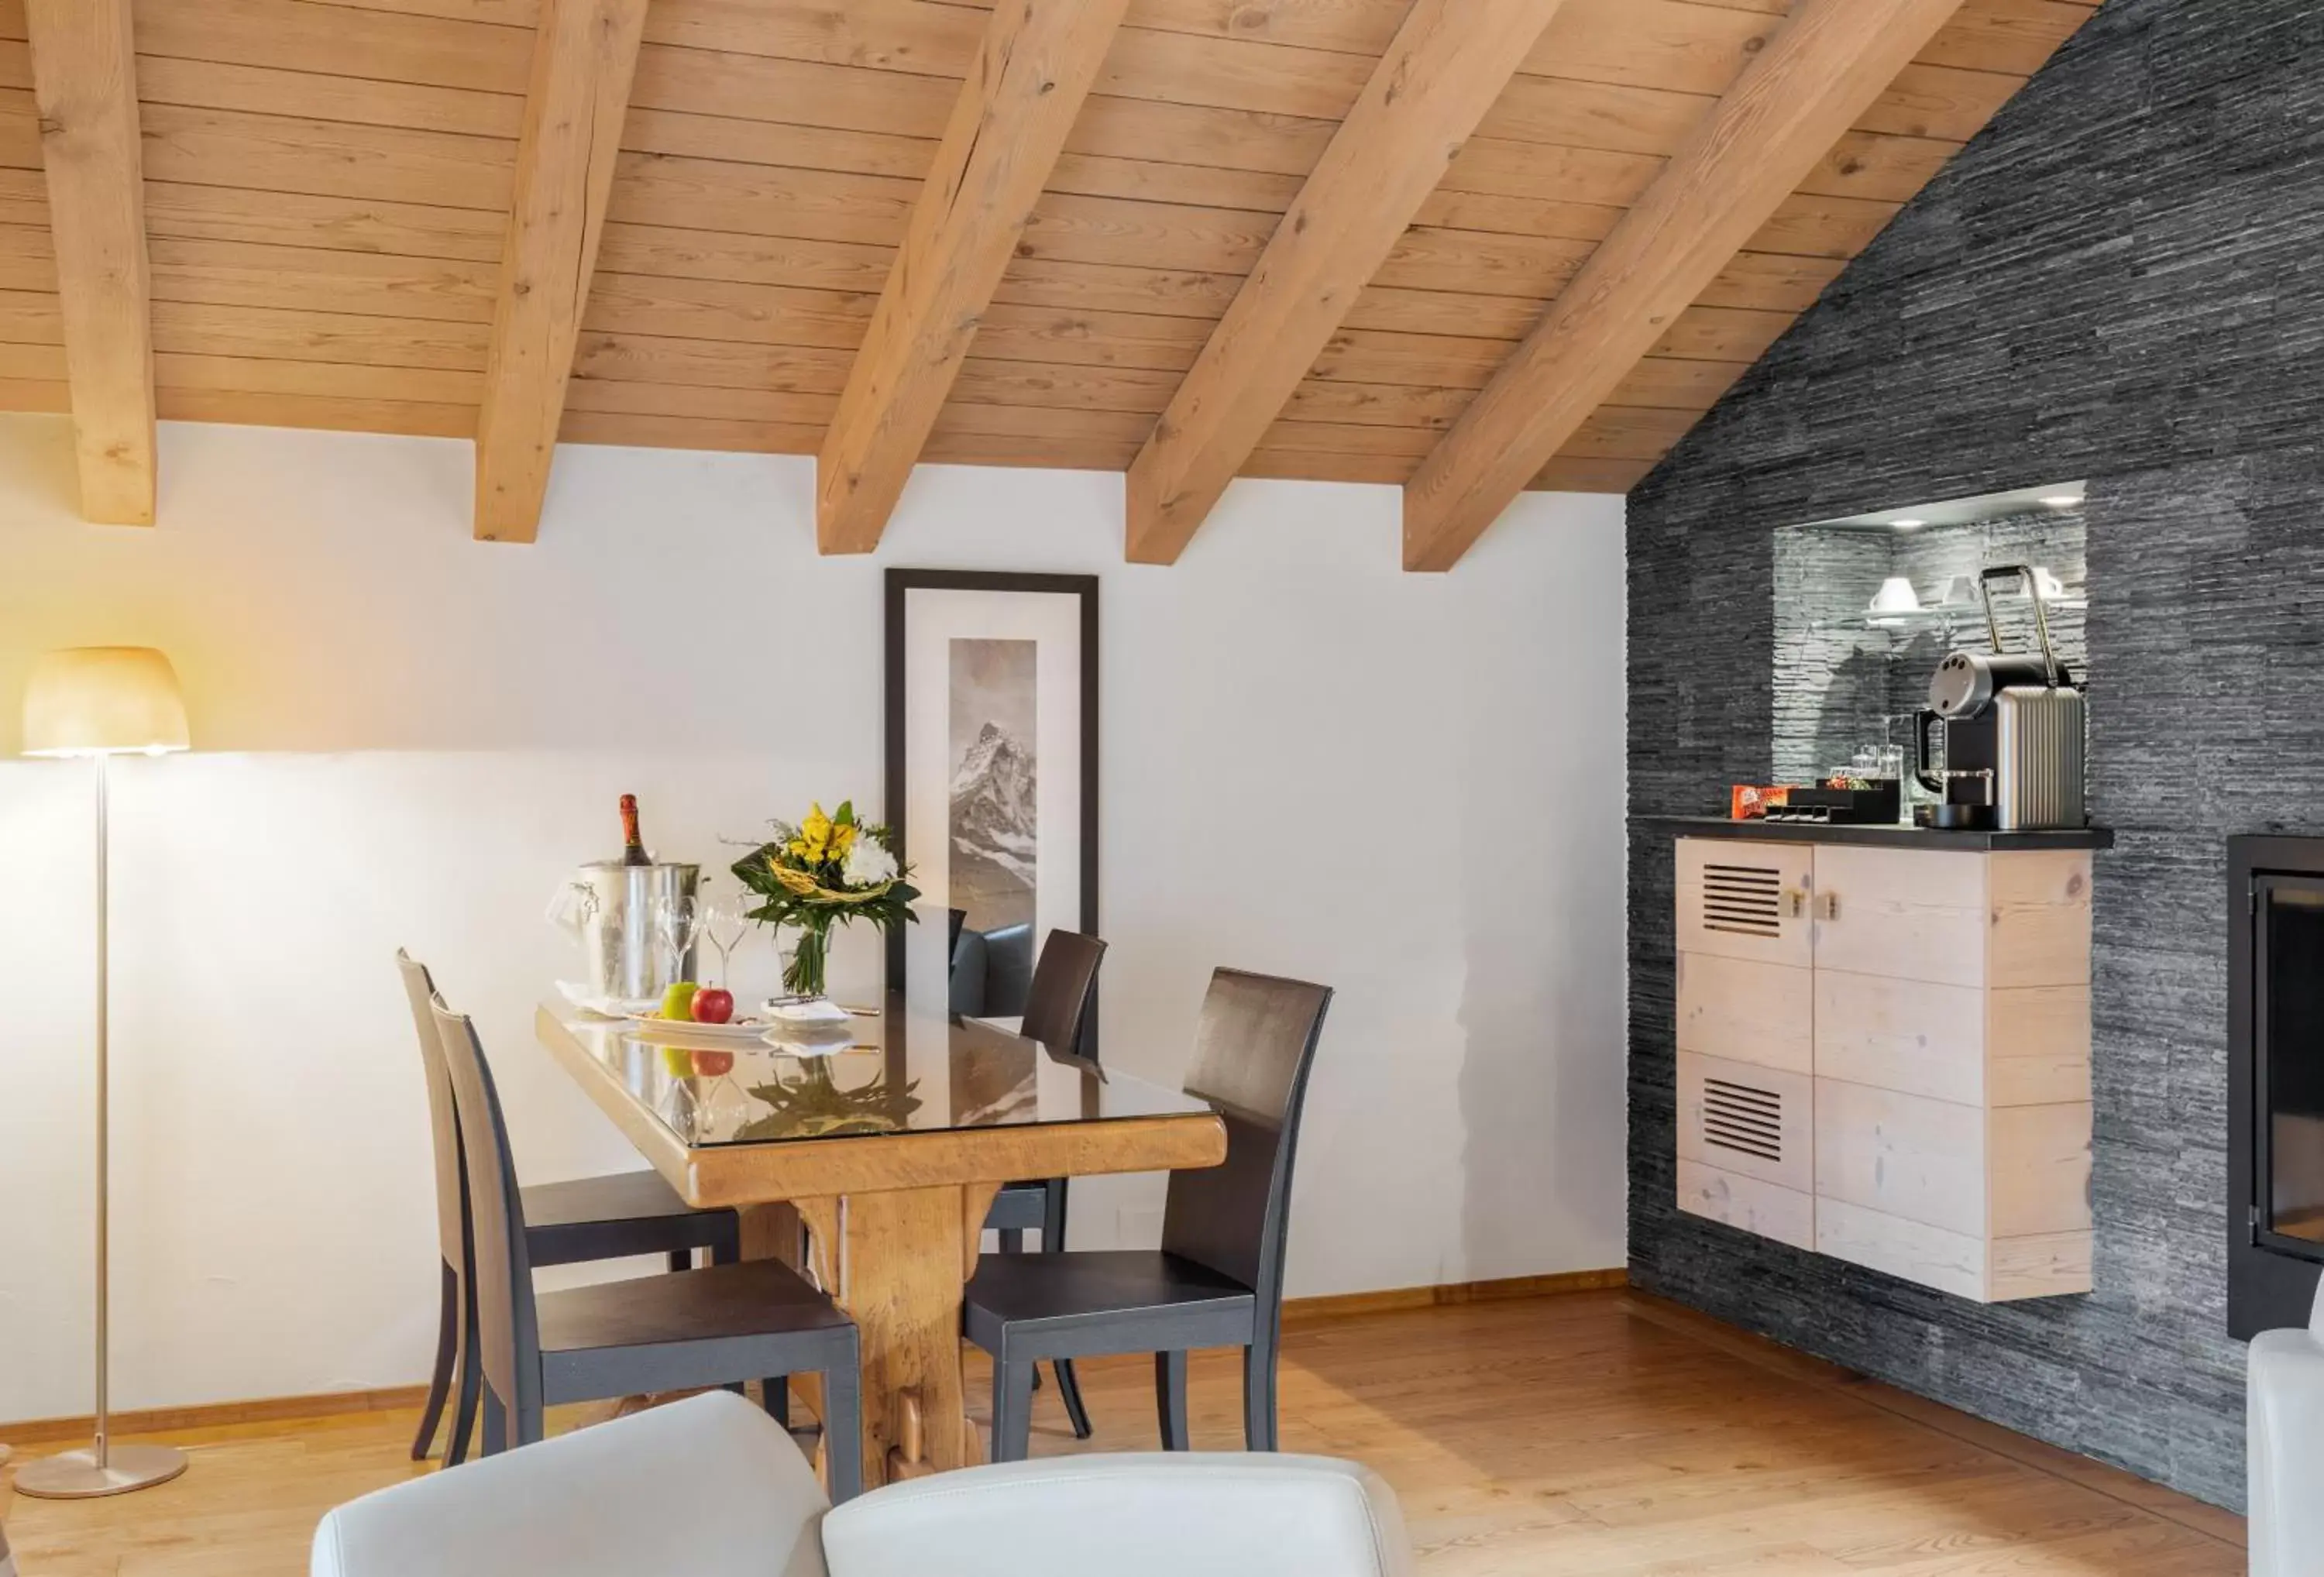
(993, 835)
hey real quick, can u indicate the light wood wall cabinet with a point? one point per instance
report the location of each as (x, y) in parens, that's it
(1884, 1055)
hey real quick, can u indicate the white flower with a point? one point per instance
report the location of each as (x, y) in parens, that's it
(868, 864)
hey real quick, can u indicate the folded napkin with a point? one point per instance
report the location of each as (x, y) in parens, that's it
(588, 1001)
(820, 1010)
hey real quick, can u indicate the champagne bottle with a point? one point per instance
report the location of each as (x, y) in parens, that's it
(633, 847)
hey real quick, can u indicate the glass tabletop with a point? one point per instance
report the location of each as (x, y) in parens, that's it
(891, 1071)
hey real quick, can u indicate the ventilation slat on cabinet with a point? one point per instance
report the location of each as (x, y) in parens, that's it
(1742, 899)
(1740, 1116)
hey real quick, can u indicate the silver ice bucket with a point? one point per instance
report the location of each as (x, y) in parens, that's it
(636, 925)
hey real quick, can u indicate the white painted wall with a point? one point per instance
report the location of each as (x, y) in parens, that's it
(1407, 786)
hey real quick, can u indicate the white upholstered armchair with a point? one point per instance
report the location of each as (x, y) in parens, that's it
(711, 1487)
(2283, 1435)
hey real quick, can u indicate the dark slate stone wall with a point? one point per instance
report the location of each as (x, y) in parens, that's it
(2122, 280)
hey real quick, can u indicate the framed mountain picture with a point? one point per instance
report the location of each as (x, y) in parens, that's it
(991, 779)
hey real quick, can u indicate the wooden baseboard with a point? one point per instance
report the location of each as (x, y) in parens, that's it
(215, 1414)
(1341, 1306)
(329, 1404)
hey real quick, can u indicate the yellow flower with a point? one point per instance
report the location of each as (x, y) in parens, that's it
(842, 839)
(814, 836)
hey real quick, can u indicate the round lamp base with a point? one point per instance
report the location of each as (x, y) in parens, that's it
(74, 1475)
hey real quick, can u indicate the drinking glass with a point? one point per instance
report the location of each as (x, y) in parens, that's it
(725, 921)
(678, 922)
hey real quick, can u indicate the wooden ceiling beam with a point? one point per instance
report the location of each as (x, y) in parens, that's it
(1440, 75)
(583, 55)
(1019, 103)
(85, 83)
(1795, 99)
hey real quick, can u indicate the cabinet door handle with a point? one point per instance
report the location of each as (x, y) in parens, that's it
(1827, 906)
(1795, 902)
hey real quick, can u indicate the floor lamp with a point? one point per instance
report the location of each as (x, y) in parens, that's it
(101, 701)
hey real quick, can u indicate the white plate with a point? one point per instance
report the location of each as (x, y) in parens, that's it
(647, 1026)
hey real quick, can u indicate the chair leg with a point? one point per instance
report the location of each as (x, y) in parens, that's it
(681, 1259)
(1012, 1408)
(1258, 1365)
(472, 1381)
(530, 1426)
(496, 1423)
(775, 1396)
(1012, 1240)
(1069, 1391)
(843, 1429)
(447, 1354)
(1052, 1242)
(1170, 1398)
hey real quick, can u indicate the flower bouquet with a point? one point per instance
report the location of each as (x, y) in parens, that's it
(827, 871)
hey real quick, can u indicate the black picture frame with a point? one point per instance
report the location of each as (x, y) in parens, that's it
(899, 583)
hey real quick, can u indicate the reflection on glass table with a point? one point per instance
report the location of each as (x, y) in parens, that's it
(884, 1073)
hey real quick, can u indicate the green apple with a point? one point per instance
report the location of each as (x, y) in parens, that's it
(677, 1001)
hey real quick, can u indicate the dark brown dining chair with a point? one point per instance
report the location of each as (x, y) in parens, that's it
(1057, 1014)
(684, 1331)
(573, 1222)
(1217, 1280)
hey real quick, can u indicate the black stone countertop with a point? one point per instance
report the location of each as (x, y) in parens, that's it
(1892, 838)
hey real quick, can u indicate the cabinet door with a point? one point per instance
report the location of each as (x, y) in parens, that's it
(1739, 899)
(1738, 1117)
(1747, 1011)
(1901, 914)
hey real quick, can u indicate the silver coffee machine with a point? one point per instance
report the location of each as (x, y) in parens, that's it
(2014, 726)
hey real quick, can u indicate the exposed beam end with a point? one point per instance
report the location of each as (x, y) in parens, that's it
(502, 519)
(116, 482)
(851, 512)
(1157, 532)
(1431, 545)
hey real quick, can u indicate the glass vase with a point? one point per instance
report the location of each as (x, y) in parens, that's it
(804, 968)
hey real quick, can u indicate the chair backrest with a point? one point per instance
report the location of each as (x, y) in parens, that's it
(1253, 1049)
(508, 1333)
(1057, 1009)
(1221, 1513)
(710, 1486)
(443, 1120)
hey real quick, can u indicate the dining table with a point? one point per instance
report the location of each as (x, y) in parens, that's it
(885, 1136)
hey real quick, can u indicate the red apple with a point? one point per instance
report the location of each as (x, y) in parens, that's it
(713, 1064)
(713, 1006)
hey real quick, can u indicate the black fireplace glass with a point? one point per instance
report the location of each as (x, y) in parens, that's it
(2289, 1025)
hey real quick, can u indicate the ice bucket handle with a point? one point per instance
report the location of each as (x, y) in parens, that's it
(572, 906)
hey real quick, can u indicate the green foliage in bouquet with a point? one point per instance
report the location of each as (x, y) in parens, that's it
(827, 871)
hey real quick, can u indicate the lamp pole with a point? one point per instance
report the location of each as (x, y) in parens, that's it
(103, 1468)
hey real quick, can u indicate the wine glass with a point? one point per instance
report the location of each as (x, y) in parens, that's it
(678, 922)
(725, 921)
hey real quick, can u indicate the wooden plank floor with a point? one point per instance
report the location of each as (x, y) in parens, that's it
(1592, 1433)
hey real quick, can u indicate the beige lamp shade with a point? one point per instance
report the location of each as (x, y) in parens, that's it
(103, 700)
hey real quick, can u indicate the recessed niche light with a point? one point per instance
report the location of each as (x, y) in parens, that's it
(2062, 499)
(1908, 525)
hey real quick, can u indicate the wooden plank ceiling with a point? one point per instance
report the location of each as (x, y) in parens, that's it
(328, 185)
